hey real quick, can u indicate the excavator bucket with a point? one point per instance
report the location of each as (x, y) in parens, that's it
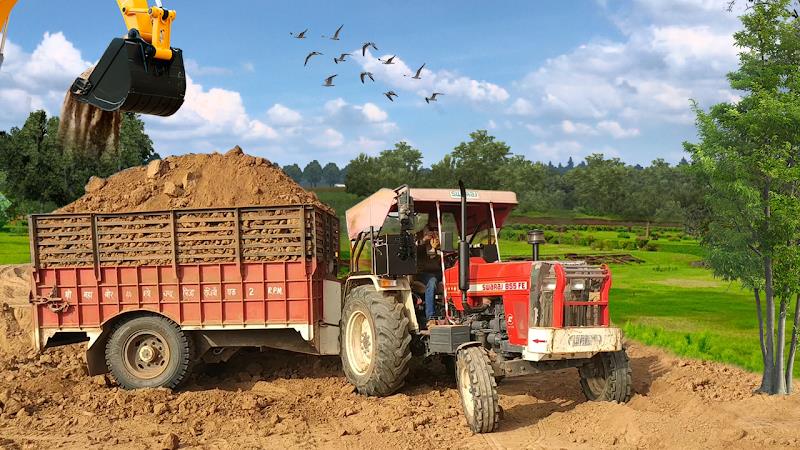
(127, 78)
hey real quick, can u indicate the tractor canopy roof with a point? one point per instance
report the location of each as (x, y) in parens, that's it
(373, 210)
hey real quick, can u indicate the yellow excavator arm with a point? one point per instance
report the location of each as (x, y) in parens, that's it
(5, 11)
(140, 72)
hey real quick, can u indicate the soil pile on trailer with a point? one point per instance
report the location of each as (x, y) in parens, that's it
(194, 181)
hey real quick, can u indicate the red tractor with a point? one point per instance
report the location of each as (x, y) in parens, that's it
(493, 318)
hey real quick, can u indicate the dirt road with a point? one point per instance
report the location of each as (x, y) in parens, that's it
(281, 400)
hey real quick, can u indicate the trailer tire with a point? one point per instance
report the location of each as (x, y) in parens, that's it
(607, 377)
(149, 352)
(375, 342)
(477, 389)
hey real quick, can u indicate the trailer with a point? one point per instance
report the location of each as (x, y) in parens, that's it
(153, 292)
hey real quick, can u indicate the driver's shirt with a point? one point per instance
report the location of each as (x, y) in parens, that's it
(428, 258)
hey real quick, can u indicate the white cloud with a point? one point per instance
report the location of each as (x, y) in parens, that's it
(491, 124)
(604, 127)
(373, 113)
(208, 114)
(671, 51)
(37, 80)
(282, 115)
(398, 77)
(616, 130)
(521, 107)
(556, 151)
(329, 138)
(193, 68)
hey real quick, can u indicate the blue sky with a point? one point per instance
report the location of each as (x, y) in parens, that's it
(552, 79)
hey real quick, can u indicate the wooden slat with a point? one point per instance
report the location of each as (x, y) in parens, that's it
(62, 225)
(134, 240)
(203, 229)
(132, 222)
(190, 219)
(86, 233)
(43, 243)
(207, 237)
(137, 249)
(269, 227)
(272, 236)
(206, 247)
(103, 232)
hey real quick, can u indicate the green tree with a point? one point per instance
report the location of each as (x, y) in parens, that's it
(135, 146)
(331, 174)
(748, 155)
(295, 172)
(601, 186)
(312, 173)
(538, 186)
(477, 162)
(392, 168)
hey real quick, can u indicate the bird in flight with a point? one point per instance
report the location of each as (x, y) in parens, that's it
(329, 81)
(389, 60)
(419, 72)
(309, 57)
(366, 74)
(300, 35)
(432, 98)
(365, 46)
(341, 58)
(389, 95)
(335, 36)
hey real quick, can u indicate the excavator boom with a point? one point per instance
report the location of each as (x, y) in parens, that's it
(138, 73)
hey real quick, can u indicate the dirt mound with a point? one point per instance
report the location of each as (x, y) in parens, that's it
(276, 399)
(194, 181)
(16, 322)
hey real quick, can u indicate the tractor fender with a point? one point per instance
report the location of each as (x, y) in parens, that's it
(467, 345)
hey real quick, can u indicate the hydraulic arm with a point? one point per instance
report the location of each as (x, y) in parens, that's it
(139, 72)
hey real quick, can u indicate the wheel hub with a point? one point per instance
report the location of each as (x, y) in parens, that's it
(146, 354)
(358, 342)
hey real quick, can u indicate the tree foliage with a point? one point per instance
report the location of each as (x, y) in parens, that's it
(312, 173)
(749, 158)
(40, 175)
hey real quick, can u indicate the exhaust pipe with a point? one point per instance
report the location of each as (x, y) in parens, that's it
(463, 247)
(536, 238)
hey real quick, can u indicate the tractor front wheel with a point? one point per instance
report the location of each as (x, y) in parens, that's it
(375, 341)
(478, 389)
(607, 377)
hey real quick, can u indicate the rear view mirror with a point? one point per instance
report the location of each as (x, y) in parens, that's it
(447, 242)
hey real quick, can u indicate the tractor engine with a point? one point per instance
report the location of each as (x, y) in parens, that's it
(513, 308)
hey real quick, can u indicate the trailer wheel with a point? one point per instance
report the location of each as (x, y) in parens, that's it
(478, 389)
(607, 377)
(148, 352)
(375, 342)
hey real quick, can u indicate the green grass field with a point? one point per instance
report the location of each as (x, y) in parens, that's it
(14, 248)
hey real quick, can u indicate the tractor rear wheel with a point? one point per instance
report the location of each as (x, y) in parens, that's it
(478, 389)
(149, 352)
(607, 377)
(375, 341)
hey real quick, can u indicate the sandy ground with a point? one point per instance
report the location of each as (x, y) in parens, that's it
(281, 400)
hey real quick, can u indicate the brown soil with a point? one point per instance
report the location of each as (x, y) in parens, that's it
(88, 129)
(194, 181)
(276, 399)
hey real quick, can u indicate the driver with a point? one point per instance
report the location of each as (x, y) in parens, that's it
(429, 268)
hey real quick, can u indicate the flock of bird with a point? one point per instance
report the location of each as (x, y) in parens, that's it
(363, 76)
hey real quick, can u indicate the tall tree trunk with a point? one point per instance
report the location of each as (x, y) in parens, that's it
(793, 346)
(780, 346)
(769, 298)
(647, 230)
(765, 382)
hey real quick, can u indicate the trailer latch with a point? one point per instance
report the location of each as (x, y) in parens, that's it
(53, 303)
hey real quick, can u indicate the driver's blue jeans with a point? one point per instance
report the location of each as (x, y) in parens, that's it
(431, 281)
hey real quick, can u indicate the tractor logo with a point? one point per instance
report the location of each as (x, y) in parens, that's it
(585, 340)
(510, 319)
